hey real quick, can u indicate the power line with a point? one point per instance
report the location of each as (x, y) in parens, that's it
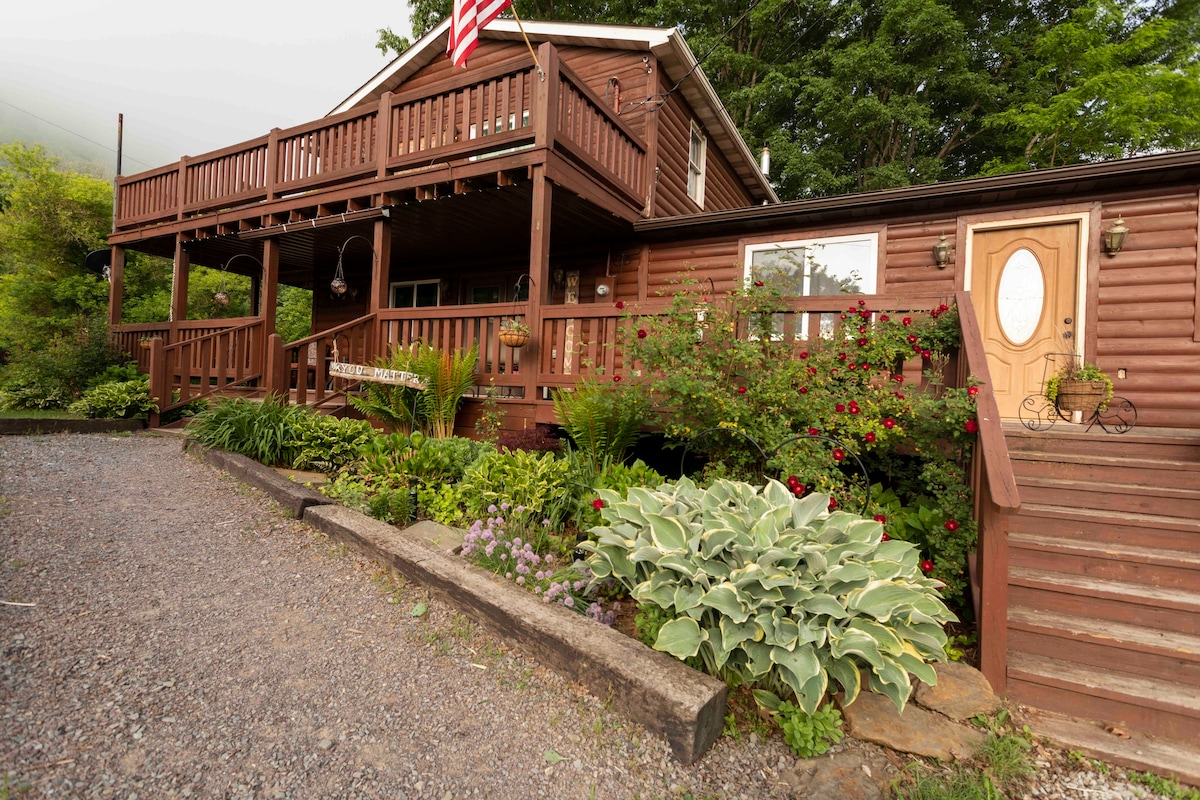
(73, 133)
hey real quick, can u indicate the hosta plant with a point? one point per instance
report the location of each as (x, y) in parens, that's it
(774, 591)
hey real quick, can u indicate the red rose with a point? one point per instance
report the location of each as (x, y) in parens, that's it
(597, 504)
(943, 307)
(833, 503)
(812, 370)
(793, 481)
(881, 518)
(853, 365)
(898, 395)
(972, 426)
(916, 348)
(884, 318)
(870, 437)
(839, 454)
(972, 390)
(863, 342)
(951, 525)
(854, 409)
(799, 490)
(886, 538)
(926, 354)
(641, 333)
(912, 339)
(839, 407)
(803, 390)
(927, 566)
(841, 356)
(741, 390)
(758, 283)
(898, 378)
(862, 302)
(906, 321)
(843, 316)
(813, 432)
(865, 365)
(862, 328)
(616, 378)
(804, 354)
(889, 423)
(619, 304)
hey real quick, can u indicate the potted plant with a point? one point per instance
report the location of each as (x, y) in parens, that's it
(513, 332)
(1079, 387)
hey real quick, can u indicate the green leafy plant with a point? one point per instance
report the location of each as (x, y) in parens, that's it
(395, 407)
(603, 420)
(118, 400)
(447, 377)
(807, 734)
(328, 443)
(1075, 371)
(773, 591)
(535, 481)
(491, 416)
(266, 431)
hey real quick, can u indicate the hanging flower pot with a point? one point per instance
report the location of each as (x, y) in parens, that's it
(514, 333)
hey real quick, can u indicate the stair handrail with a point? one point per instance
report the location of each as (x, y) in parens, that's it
(160, 386)
(996, 499)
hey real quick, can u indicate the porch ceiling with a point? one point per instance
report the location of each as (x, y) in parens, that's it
(465, 228)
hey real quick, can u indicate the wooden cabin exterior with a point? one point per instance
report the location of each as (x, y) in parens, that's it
(458, 198)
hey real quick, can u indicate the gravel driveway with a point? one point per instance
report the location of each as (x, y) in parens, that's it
(189, 640)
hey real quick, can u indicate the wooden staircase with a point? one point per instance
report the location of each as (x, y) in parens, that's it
(1104, 592)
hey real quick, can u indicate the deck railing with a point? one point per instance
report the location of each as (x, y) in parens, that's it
(303, 369)
(458, 121)
(203, 364)
(457, 328)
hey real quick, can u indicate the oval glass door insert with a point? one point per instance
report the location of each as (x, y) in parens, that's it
(1021, 296)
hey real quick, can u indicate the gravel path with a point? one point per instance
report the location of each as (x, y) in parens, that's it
(186, 639)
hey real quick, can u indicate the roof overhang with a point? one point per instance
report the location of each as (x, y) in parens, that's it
(667, 45)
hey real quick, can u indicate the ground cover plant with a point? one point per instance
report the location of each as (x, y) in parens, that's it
(733, 378)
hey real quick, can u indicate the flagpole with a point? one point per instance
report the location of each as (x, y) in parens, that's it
(536, 63)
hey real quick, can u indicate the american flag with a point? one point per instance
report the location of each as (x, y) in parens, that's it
(469, 18)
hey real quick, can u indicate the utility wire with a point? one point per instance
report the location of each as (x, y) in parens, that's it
(73, 133)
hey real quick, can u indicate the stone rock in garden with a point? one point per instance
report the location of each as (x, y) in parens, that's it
(873, 718)
(961, 692)
(843, 775)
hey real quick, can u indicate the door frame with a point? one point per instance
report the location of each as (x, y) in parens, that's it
(1087, 275)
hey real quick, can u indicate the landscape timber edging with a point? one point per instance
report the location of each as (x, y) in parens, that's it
(292, 496)
(33, 426)
(651, 688)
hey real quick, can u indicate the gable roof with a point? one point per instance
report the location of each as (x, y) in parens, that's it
(674, 56)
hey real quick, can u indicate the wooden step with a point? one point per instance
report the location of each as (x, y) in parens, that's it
(1149, 566)
(1171, 444)
(1167, 609)
(1152, 706)
(1107, 469)
(1137, 530)
(1139, 650)
(1166, 757)
(1160, 501)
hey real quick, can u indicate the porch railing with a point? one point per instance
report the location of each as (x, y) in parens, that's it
(303, 368)
(456, 121)
(204, 364)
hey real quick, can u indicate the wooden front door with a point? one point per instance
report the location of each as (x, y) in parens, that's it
(1024, 285)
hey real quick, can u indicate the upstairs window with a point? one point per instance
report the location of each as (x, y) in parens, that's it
(697, 152)
(416, 294)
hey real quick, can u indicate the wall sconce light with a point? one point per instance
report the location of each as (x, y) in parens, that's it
(1114, 237)
(941, 252)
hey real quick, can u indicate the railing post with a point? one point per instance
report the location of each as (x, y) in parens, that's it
(383, 134)
(181, 189)
(159, 390)
(545, 97)
(275, 370)
(272, 162)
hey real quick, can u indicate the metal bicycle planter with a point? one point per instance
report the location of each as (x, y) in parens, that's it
(1037, 413)
(767, 455)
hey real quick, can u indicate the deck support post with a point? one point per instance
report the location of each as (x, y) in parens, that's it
(539, 277)
(993, 614)
(269, 291)
(160, 392)
(116, 285)
(179, 287)
(381, 267)
(274, 369)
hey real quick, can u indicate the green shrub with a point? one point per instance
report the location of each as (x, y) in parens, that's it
(603, 420)
(328, 443)
(395, 407)
(117, 400)
(772, 591)
(444, 503)
(535, 481)
(58, 374)
(807, 734)
(265, 431)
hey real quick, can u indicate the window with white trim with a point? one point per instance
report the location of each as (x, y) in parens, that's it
(416, 294)
(828, 265)
(697, 153)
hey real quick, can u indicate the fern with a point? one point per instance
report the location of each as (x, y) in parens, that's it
(447, 377)
(603, 420)
(395, 407)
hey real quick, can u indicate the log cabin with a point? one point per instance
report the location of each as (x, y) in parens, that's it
(553, 189)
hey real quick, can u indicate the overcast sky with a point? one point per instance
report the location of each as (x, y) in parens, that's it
(189, 77)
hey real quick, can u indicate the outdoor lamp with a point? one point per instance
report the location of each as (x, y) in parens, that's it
(1114, 237)
(941, 252)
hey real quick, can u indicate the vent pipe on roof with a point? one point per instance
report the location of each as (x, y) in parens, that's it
(764, 161)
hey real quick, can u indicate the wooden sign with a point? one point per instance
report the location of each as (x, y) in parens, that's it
(362, 372)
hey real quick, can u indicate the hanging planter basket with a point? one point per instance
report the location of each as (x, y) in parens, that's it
(514, 337)
(1085, 396)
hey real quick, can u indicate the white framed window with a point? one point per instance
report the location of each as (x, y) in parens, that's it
(829, 265)
(416, 294)
(697, 154)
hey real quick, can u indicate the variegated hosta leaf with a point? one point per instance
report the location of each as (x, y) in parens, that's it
(668, 533)
(846, 672)
(680, 637)
(891, 679)
(726, 599)
(687, 597)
